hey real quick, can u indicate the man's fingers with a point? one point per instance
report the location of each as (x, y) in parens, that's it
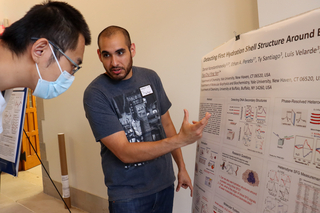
(186, 115)
(178, 187)
(185, 186)
(191, 190)
(203, 122)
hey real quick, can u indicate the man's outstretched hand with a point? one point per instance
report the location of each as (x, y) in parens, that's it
(189, 133)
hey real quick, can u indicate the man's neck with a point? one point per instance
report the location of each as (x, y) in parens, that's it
(13, 69)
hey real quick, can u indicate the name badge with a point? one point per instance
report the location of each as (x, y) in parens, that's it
(146, 90)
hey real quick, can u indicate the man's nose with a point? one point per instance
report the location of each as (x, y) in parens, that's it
(114, 61)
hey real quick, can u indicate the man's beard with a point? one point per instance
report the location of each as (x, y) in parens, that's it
(116, 77)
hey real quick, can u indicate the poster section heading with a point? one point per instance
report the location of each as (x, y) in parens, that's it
(259, 81)
(272, 43)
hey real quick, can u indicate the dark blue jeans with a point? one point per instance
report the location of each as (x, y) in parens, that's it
(160, 202)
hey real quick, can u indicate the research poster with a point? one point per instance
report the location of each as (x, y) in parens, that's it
(260, 151)
(10, 138)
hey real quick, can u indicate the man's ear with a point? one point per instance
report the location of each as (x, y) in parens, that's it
(133, 49)
(39, 48)
(99, 54)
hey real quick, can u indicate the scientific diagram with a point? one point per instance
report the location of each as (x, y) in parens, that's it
(254, 114)
(261, 114)
(274, 206)
(205, 164)
(233, 118)
(247, 134)
(204, 208)
(294, 117)
(268, 143)
(315, 118)
(230, 168)
(253, 136)
(260, 137)
(246, 127)
(200, 200)
(278, 185)
(284, 187)
(249, 113)
(281, 140)
(308, 197)
(317, 153)
(251, 177)
(303, 149)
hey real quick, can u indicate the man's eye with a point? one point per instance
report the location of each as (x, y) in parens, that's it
(106, 55)
(120, 53)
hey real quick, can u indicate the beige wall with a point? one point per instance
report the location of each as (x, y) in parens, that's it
(283, 9)
(171, 37)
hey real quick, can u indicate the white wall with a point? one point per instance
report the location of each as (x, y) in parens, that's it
(271, 11)
(171, 37)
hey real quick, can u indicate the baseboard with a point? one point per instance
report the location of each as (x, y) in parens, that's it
(79, 199)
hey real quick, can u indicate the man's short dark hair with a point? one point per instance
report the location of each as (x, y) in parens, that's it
(111, 30)
(58, 22)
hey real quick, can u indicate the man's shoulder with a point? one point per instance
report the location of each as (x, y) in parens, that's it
(144, 71)
(100, 79)
(96, 84)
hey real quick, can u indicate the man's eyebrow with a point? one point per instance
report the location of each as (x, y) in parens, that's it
(104, 52)
(121, 50)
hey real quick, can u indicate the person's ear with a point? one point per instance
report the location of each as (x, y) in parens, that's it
(39, 48)
(99, 54)
(133, 49)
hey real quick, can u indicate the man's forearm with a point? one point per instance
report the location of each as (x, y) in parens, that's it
(138, 152)
(178, 158)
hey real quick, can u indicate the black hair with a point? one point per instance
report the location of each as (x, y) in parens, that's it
(58, 22)
(111, 30)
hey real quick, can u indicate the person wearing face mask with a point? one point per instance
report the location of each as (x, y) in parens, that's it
(48, 89)
(42, 51)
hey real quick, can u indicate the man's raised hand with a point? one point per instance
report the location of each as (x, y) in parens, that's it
(189, 133)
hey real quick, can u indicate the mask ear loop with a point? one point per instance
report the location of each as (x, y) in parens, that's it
(54, 55)
(38, 71)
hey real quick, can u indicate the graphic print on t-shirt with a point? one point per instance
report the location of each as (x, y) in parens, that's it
(139, 115)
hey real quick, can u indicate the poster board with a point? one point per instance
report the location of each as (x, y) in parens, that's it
(11, 137)
(260, 151)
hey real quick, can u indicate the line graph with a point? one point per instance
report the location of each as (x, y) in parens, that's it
(272, 188)
(279, 184)
(303, 149)
(284, 192)
(260, 137)
(274, 206)
(285, 180)
(270, 205)
(261, 114)
(247, 134)
(284, 188)
(273, 183)
(288, 118)
(282, 208)
(294, 117)
(273, 175)
(317, 153)
(249, 113)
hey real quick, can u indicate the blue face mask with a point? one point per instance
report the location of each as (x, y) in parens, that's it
(47, 89)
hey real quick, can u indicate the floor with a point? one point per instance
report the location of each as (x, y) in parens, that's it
(24, 194)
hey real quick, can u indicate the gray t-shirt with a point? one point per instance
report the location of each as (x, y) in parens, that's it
(134, 106)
